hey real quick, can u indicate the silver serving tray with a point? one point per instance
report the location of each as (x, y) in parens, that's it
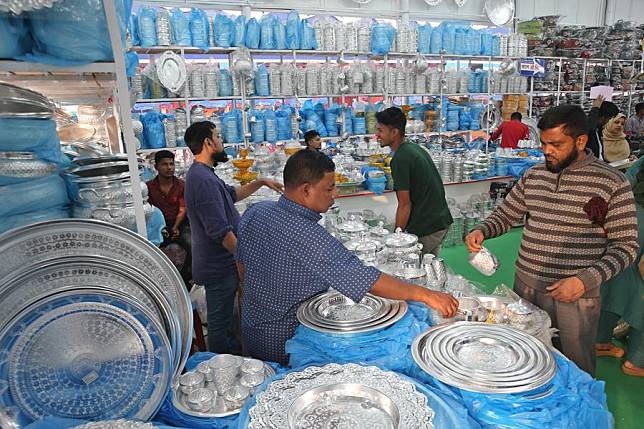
(499, 12)
(434, 351)
(17, 108)
(171, 71)
(346, 404)
(392, 310)
(274, 405)
(335, 309)
(38, 243)
(179, 400)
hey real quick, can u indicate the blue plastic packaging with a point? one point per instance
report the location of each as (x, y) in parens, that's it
(436, 40)
(225, 83)
(424, 39)
(359, 125)
(34, 195)
(449, 38)
(293, 30)
(257, 127)
(239, 38)
(32, 135)
(262, 87)
(381, 38)
(224, 31)
(153, 130)
(284, 124)
(308, 40)
(75, 32)
(133, 29)
(199, 28)
(252, 34)
(147, 19)
(180, 28)
(231, 127)
(271, 126)
(459, 42)
(279, 33)
(15, 39)
(266, 38)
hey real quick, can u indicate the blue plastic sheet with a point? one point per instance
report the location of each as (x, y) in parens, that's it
(147, 27)
(153, 130)
(252, 34)
(171, 415)
(199, 28)
(262, 87)
(293, 30)
(15, 39)
(32, 135)
(436, 40)
(284, 125)
(22, 219)
(224, 31)
(257, 127)
(133, 29)
(449, 38)
(424, 39)
(239, 38)
(382, 37)
(266, 38)
(270, 126)
(75, 32)
(308, 40)
(32, 196)
(231, 123)
(313, 121)
(279, 34)
(60, 423)
(180, 27)
(225, 83)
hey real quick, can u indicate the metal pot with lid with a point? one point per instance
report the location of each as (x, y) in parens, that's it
(379, 232)
(400, 244)
(410, 268)
(351, 228)
(365, 246)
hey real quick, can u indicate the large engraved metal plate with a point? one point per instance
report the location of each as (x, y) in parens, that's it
(84, 356)
(487, 358)
(336, 396)
(171, 71)
(38, 243)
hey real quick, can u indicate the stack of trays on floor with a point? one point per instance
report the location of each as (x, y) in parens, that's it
(341, 396)
(95, 322)
(333, 313)
(485, 358)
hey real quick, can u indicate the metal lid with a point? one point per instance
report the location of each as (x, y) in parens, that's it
(353, 225)
(401, 239)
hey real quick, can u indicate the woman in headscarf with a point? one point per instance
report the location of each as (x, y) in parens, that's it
(623, 295)
(616, 146)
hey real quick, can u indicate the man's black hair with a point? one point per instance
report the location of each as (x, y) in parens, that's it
(163, 154)
(310, 135)
(196, 134)
(393, 117)
(516, 115)
(608, 110)
(306, 166)
(639, 107)
(570, 116)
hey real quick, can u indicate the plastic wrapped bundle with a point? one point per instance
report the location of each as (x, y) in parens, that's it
(327, 36)
(473, 42)
(37, 136)
(364, 36)
(75, 31)
(401, 79)
(211, 82)
(15, 39)
(308, 41)
(252, 34)
(153, 130)
(300, 81)
(225, 84)
(284, 128)
(340, 36)
(224, 31)
(257, 127)
(331, 120)
(313, 80)
(287, 72)
(132, 31)
(421, 84)
(279, 34)
(197, 87)
(180, 28)
(313, 118)
(449, 39)
(275, 79)
(424, 39)
(211, 31)
(459, 41)
(381, 38)
(326, 75)
(367, 78)
(266, 38)
(164, 30)
(359, 125)
(14, 221)
(199, 28)
(231, 127)
(293, 30)
(239, 34)
(262, 87)
(436, 40)
(271, 126)
(379, 82)
(351, 35)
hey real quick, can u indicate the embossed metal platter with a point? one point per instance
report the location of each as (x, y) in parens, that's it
(487, 358)
(171, 71)
(350, 395)
(28, 247)
(85, 355)
(219, 409)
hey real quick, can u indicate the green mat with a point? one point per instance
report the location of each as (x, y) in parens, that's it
(624, 392)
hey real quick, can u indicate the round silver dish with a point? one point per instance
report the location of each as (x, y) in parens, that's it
(38, 243)
(390, 312)
(336, 308)
(484, 358)
(24, 165)
(285, 400)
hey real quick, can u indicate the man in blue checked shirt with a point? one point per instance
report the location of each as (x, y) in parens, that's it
(285, 257)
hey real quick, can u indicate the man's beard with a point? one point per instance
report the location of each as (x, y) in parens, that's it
(220, 157)
(572, 157)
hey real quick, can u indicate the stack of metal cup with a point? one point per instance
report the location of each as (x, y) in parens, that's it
(136, 82)
(164, 31)
(197, 114)
(501, 166)
(457, 169)
(181, 124)
(447, 168)
(197, 88)
(439, 272)
(211, 82)
(170, 128)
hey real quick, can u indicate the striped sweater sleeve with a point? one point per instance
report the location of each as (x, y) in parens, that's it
(621, 233)
(508, 214)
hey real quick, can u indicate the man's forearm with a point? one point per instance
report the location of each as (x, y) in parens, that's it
(180, 218)
(247, 190)
(392, 288)
(402, 216)
(230, 242)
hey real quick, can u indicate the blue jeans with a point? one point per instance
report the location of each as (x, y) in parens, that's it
(220, 298)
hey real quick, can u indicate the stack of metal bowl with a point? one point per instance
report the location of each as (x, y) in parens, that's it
(102, 189)
(95, 322)
(335, 314)
(485, 358)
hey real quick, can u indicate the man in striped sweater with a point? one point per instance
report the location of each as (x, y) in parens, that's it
(581, 230)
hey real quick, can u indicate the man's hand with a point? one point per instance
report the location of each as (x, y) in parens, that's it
(274, 185)
(567, 290)
(598, 101)
(444, 303)
(474, 241)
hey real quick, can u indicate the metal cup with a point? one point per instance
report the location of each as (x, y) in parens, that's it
(208, 373)
(235, 396)
(225, 369)
(469, 309)
(252, 366)
(191, 381)
(252, 381)
(201, 399)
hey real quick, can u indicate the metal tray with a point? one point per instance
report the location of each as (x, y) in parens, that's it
(392, 311)
(179, 400)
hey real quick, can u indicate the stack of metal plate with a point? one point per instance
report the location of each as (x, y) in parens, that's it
(484, 358)
(16, 102)
(95, 322)
(341, 396)
(333, 313)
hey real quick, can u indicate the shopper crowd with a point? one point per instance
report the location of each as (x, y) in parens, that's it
(579, 260)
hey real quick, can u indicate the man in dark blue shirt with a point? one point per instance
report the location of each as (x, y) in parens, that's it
(285, 257)
(213, 221)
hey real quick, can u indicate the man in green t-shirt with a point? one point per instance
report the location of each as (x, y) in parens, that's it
(422, 209)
